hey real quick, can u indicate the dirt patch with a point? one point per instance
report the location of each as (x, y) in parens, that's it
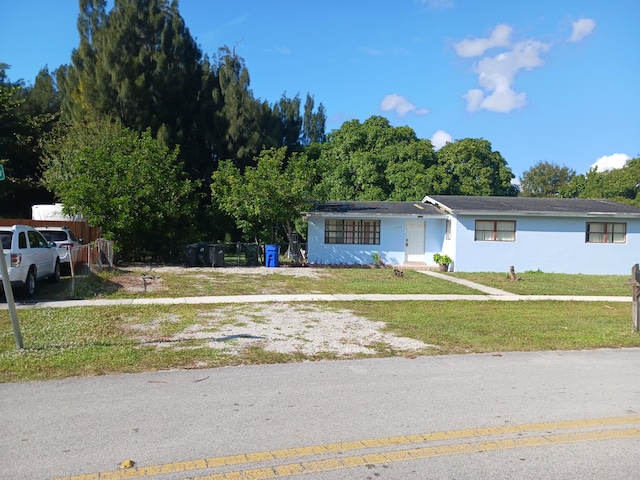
(249, 271)
(286, 328)
(139, 279)
(140, 283)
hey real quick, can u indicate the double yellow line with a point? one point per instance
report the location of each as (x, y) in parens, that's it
(386, 450)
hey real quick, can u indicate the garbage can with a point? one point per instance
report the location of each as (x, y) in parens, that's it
(271, 253)
(294, 248)
(216, 255)
(190, 255)
(196, 255)
(251, 255)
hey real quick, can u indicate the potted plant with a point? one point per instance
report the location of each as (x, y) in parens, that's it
(443, 261)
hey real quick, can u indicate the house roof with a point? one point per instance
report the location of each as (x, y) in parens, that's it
(531, 206)
(348, 208)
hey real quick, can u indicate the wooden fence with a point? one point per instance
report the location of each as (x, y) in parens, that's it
(81, 229)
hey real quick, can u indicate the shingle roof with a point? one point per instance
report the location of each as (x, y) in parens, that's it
(375, 208)
(531, 206)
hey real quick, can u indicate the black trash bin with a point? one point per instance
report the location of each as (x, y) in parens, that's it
(196, 255)
(251, 255)
(216, 255)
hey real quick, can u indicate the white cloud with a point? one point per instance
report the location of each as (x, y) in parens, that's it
(400, 105)
(611, 162)
(474, 99)
(440, 139)
(475, 48)
(496, 75)
(581, 28)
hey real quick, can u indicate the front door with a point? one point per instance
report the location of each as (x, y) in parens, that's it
(414, 242)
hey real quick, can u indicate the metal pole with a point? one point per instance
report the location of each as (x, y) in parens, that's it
(8, 294)
(635, 282)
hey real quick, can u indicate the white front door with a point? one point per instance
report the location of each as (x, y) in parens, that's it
(414, 242)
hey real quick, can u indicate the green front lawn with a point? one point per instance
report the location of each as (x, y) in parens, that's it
(538, 283)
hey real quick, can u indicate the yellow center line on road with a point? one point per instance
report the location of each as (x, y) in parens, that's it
(555, 433)
(420, 453)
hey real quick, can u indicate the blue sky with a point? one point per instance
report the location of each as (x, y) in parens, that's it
(551, 80)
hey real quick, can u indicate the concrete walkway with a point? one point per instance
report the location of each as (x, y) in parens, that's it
(467, 283)
(488, 293)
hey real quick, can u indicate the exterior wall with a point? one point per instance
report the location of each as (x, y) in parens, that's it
(391, 248)
(435, 242)
(552, 245)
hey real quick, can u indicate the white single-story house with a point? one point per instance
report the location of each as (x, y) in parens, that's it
(480, 234)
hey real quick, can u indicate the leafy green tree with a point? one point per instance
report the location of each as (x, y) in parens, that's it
(408, 171)
(10, 125)
(128, 184)
(545, 179)
(269, 194)
(373, 161)
(23, 122)
(470, 167)
(622, 184)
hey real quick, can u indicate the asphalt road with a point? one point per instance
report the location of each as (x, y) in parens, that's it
(568, 415)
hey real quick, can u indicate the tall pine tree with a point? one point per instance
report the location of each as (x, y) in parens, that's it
(138, 64)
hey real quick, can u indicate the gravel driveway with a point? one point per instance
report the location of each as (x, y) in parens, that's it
(281, 327)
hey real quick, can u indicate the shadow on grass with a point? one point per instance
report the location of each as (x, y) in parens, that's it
(85, 285)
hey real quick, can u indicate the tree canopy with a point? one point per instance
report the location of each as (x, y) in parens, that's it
(27, 114)
(470, 167)
(376, 161)
(272, 193)
(372, 161)
(622, 184)
(130, 185)
(545, 179)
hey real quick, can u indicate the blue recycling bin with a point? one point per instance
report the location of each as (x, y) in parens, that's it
(271, 253)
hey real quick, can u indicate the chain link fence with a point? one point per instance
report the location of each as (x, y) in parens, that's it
(99, 255)
(92, 257)
(239, 254)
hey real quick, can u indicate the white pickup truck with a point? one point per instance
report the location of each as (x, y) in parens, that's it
(29, 257)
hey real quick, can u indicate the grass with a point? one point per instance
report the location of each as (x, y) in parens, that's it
(213, 281)
(465, 327)
(539, 283)
(67, 342)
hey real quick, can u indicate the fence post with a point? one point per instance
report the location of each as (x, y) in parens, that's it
(635, 282)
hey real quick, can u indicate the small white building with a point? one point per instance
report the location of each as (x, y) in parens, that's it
(52, 212)
(480, 234)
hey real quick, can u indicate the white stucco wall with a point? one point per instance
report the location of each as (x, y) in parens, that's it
(552, 245)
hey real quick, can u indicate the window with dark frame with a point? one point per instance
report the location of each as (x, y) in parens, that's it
(354, 232)
(495, 231)
(606, 232)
